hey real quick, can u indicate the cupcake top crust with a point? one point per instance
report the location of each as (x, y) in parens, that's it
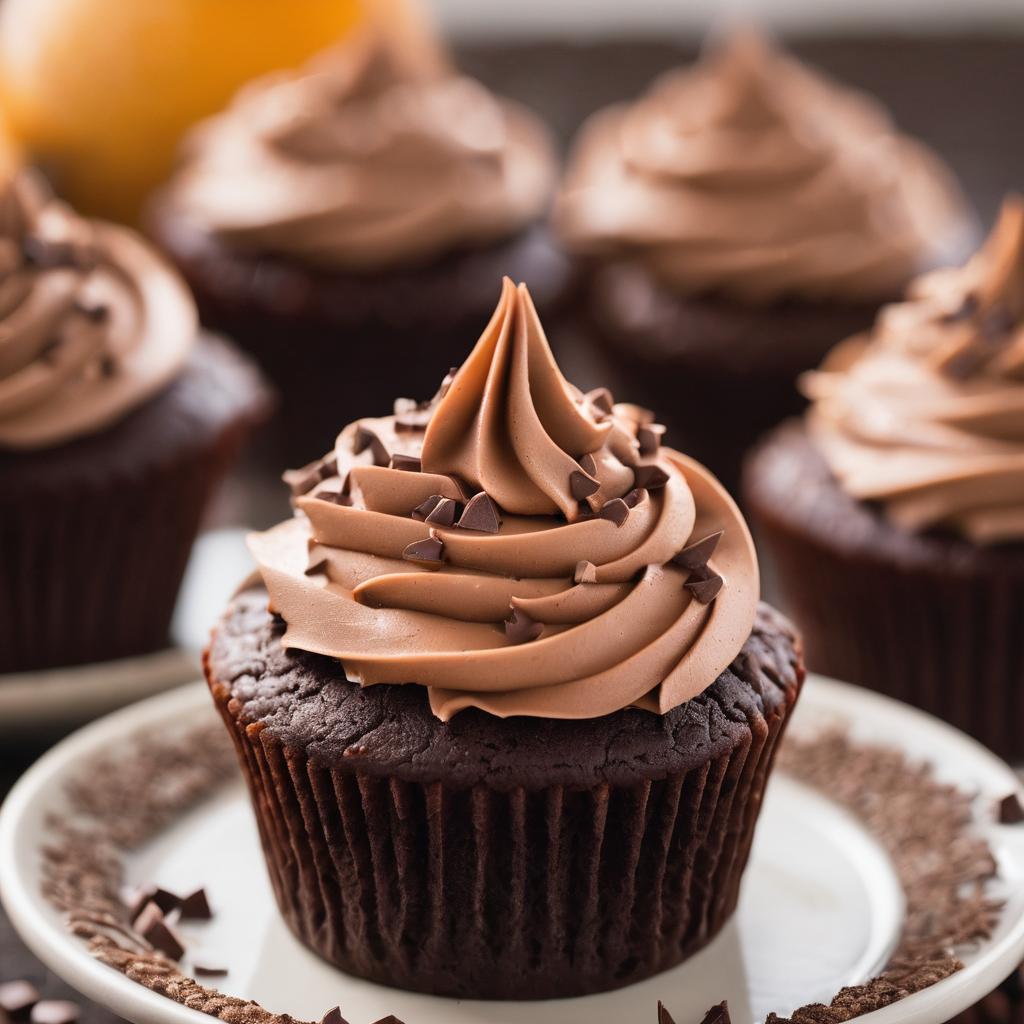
(92, 321)
(514, 545)
(752, 176)
(926, 414)
(375, 154)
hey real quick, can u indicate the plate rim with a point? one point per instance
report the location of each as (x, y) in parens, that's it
(69, 959)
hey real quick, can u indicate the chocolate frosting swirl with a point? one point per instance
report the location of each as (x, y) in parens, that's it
(373, 155)
(926, 415)
(515, 546)
(752, 176)
(92, 322)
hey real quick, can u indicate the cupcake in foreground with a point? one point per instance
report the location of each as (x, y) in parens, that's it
(741, 218)
(894, 514)
(561, 797)
(116, 421)
(347, 222)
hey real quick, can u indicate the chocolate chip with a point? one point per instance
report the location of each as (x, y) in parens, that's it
(338, 497)
(616, 510)
(209, 970)
(650, 477)
(333, 1016)
(664, 1017)
(589, 464)
(585, 572)
(55, 1011)
(1010, 810)
(150, 924)
(96, 312)
(649, 437)
(601, 398)
(302, 481)
(18, 997)
(316, 568)
(696, 555)
(407, 463)
(520, 628)
(582, 486)
(428, 552)
(704, 585)
(443, 513)
(366, 438)
(634, 497)
(140, 898)
(195, 907)
(480, 514)
(389, 1019)
(425, 507)
(717, 1014)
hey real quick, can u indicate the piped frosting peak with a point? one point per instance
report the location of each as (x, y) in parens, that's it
(515, 545)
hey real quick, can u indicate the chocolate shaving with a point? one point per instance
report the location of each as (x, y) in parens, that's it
(615, 510)
(601, 399)
(208, 970)
(140, 898)
(152, 926)
(18, 997)
(1010, 810)
(302, 481)
(333, 1016)
(428, 552)
(704, 585)
(55, 1011)
(649, 437)
(406, 463)
(426, 506)
(365, 438)
(585, 572)
(195, 907)
(650, 477)
(718, 1014)
(581, 485)
(696, 555)
(664, 1017)
(481, 514)
(520, 628)
(443, 513)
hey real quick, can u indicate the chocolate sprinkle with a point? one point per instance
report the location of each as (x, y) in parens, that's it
(520, 628)
(407, 463)
(366, 438)
(196, 907)
(152, 926)
(585, 572)
(18, 997)
(696, 555)
(480, 514)
(426, 506)
(333, 1016)
(650, 477)
(615, 510)
(704, 585)
(649, 437)
(55, 1011)
(582, 486)
(428, 552)
(1010, 810)
(443, 513)
(601, 398)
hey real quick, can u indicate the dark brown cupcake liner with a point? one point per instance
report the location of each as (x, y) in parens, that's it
(481, 892)
(95, 536)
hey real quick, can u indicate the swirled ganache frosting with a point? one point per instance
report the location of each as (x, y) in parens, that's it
(92, 322)
(374, 155)
(752, 176)
(515, 545)
(926, 415)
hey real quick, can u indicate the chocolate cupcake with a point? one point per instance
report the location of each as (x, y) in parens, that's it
(505, 700)
(740, 219)
(116, 422)
(346, 223)
(893, 515)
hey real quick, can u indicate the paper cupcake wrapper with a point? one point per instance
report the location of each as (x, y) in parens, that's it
(483, 893)
(947, 641)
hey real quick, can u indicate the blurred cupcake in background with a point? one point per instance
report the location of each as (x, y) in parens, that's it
(347, 222)
(117, 419)
(741, 218)
(893, 515)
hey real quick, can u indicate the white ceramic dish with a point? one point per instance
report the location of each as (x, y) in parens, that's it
(821, 905)
(60, 697)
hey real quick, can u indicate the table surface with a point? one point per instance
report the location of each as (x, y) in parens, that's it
(961, 95)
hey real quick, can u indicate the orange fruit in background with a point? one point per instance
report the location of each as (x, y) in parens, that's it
(101, 91)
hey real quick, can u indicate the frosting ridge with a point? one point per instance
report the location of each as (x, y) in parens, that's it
(515, 545)
(926, 415)
(373, 155)
(751, 175)
(92, 322)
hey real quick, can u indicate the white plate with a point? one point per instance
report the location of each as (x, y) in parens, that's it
(56, 698)
(820, 908)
